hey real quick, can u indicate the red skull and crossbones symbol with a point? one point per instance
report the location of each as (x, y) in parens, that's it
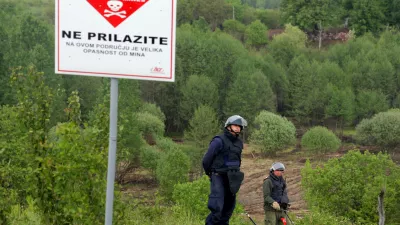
(115, 6)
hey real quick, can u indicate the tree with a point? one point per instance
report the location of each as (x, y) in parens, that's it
(271, 18)
(213, 54)
(366, 15)
(272, 4)
(307, 92)
(392, 14)
(335, 74)
(249, 94)
(33, 32)
(284, 47)
(50, 169)
(256, 34)
(373, 71)
(5, 90)
(185, 10)
(203, 126)
(277, 78)
(273, 132)
(89, 89)
(199, 90)
(313, 13)
(201, 24)
(152, 109)
(234, 28)
(213, 11)
(368, 103)
(340, 105)
(248, 15)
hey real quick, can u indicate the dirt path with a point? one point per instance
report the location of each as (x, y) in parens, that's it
(256, 169)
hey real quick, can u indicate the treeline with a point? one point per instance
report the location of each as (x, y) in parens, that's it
(359, 15)
(346, 83)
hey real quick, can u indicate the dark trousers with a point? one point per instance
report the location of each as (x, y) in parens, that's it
(221, 201)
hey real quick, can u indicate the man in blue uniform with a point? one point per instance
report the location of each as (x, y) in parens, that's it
(222, 164)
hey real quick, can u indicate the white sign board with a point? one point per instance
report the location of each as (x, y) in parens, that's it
(116, 38)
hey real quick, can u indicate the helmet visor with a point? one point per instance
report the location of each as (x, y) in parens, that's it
(236, 120)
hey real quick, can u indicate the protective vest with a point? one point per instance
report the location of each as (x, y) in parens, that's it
(278, 187)
(229, 157)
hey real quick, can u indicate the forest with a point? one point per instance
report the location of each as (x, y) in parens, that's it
(313, 78)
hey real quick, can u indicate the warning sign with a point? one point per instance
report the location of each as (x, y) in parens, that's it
(116, 38)
(116, 11)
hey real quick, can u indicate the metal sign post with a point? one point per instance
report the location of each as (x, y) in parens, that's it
(112, 150)
(132, 39)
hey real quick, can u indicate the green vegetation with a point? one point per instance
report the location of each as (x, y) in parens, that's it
(273, 132)
(349, 186)
(320, 140)
(248, 57)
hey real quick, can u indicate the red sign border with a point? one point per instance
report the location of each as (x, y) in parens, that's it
(108, 74)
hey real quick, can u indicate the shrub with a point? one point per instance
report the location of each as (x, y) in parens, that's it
(172, 168)
(273, 132)
(320, 139)
(350, 186)
(234, 28)
(193, 195)
(383, 129)
(150, 124)
(149, 157)
(153, 109)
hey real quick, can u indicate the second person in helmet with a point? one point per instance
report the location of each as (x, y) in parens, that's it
(275, 195)
(222, 164)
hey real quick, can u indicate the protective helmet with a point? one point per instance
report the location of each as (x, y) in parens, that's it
(236, 120)
(277, 166)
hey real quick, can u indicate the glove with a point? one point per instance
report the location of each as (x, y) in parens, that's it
(285, 206)
(276, 206)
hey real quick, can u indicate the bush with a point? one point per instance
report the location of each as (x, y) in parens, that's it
(255, 34)
(350, 186)
(383, 129)
(234, 28)
(284, 47)
(172, 168)
(149, 156)
(320, 140)
(273, 132)
(150, 124)
(154, 110)
(193, 196)
(271, 18)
